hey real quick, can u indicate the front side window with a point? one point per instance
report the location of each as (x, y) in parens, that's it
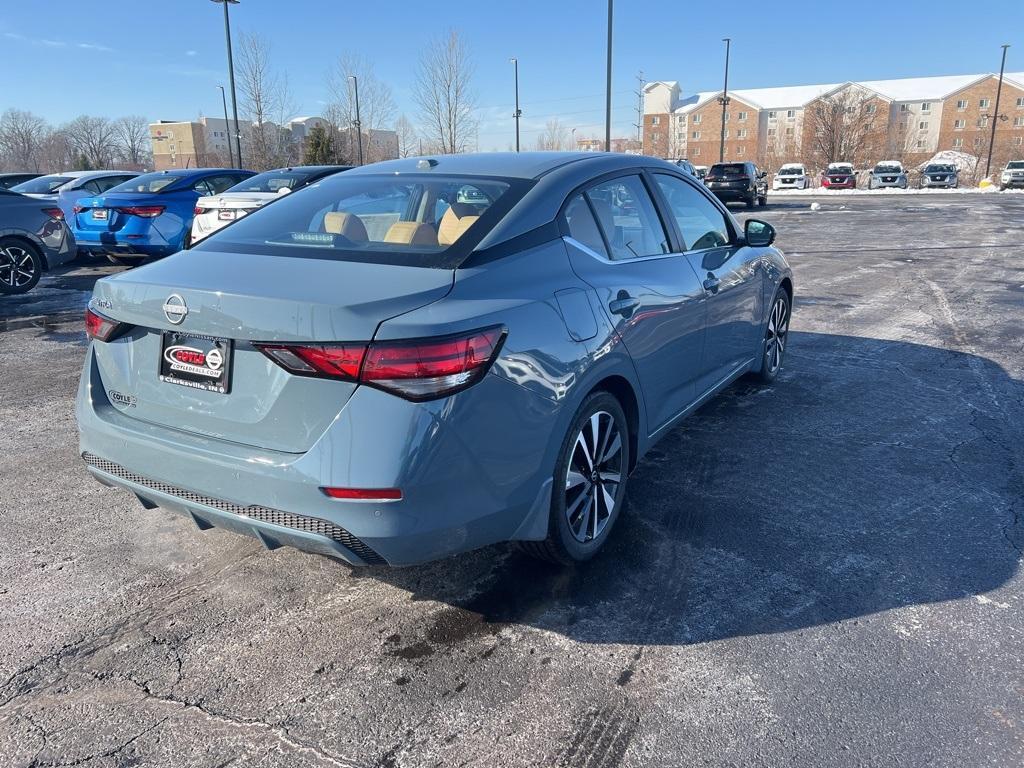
(700, 223)
(412, 219)
(628, 219)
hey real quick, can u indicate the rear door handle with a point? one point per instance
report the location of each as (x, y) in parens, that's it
(624, 305)
(711, 284)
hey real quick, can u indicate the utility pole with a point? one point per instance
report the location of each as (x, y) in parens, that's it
(231, 76)
(996, 116)
(724, 100)
(227, 125)
(358, 123)
(608, 88)
(639, 124)
(518, 112)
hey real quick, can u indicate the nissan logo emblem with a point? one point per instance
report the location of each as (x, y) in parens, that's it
(175, 309)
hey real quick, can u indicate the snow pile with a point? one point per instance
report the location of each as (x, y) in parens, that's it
(964, 162)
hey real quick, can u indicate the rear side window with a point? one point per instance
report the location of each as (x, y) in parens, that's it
(628, 218)
(146, 183)
(42, 185)
(700, 223)
(415, 219)
(583, 226)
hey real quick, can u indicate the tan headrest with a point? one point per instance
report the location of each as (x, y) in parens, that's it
(346, 224)
(456, 220)
(411, 233)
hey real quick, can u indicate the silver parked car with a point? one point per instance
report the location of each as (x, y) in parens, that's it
(940, 176)
(33, 238)
(888, 173)
(424, 356)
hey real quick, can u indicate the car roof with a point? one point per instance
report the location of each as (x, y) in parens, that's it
(310, 168)
(182, 172)
(517, 165)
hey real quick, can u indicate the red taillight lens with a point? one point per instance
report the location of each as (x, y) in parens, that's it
(77, 209)
(419, 369)
(101, 328)
(364, 494)
(200, 211)
(145, 211)
(54, 213)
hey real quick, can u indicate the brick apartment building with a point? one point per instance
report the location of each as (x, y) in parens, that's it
(909, 119)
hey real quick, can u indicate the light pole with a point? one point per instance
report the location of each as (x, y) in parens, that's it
(995, 117)
(724, 100)
(231, 76)
(518, 112)
(572, 139)
(358, 123)
(608, 88)
(227, 125)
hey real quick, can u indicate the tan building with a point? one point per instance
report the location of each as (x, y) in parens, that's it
(178, 144)
(908, 119)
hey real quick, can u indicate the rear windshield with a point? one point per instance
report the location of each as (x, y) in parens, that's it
(416, 220)
(939, 169)
(888, 169)
(42, 185)
(729, 169)
(147, 182)
(272, 181)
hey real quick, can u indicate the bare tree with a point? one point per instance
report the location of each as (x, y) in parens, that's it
(133, 144)
(444, 94)
(376, 104)
(55, 151)
(21, 136)
(406, 137)
(843, 127)
(93, 140)
(554, 137)
(265, 100)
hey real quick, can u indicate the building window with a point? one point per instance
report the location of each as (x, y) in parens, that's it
(696, 135)
(959, 125)
(655, 120)
(727, 117)
(983, 121)
(904, 107)
(1018, 140)
(789, 131)
(741, 133)
(682, 120)
(922, 126)
(725, 134)
(772, 115)
(1020, 103)
(977, 142)
(655, 137)
(771, 131)
(695, 151)
(741, 116)
(926, 106)
(790, 114)
(957, 143)
(983, 103)
(871, 109)
(1018, 122)
(961, 104)
(696, 118)
(741, 150)
(920, 143)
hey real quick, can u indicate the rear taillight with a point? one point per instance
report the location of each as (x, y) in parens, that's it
(77, 209)
(418, 369)
(101, 328)
(198, 211)
(54, 213)
(145, 211)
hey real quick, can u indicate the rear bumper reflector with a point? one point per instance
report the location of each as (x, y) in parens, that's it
(313, 525)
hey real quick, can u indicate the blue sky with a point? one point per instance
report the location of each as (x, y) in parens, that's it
(163, 58)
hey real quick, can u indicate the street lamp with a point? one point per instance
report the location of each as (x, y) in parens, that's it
(572, 133)
(995, 119)
(518, 111)
(227, 125)
(608, 88)
(231, 76)
(358, 123)
(724, 99)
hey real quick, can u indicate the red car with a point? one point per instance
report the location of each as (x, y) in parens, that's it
(839, 176)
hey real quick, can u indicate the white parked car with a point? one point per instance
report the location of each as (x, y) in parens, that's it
(790, 176)
(215, 211)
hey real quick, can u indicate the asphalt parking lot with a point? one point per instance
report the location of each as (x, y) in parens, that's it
(823, 572)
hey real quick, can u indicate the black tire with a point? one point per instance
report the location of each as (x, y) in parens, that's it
(563, 544)
(21, 265)
(762, 201)
(770, 364)
(752, 199)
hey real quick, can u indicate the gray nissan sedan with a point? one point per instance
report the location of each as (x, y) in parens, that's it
(424, 356)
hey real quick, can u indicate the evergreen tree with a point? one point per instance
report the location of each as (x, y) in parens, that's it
(320, 150)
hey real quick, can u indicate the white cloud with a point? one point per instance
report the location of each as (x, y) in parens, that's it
(57, 43)
(95, 47)
(191, 53)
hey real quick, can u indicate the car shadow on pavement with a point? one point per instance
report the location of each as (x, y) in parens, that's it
(872, 475)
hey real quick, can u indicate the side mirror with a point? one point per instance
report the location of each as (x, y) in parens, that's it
(763, 174)
(758, 234)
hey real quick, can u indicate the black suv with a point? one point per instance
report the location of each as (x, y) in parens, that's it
(738, 183)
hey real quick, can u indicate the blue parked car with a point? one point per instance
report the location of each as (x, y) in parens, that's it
(148, 216)
(419, 357)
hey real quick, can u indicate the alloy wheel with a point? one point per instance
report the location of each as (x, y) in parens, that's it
(593, 476)
(776, 335)
(17, 267)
